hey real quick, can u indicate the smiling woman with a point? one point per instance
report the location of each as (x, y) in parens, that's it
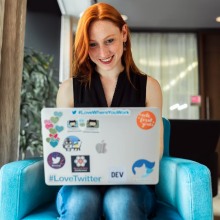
(102, 33)
(105, 75)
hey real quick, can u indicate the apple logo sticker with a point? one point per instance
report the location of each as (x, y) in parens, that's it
(101, 147)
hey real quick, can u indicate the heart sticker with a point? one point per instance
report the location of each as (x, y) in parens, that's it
(52, 131)
(47, 126)
(59, 128)
(54, 142)
(54, 119)
(47, 121)
(58, 114)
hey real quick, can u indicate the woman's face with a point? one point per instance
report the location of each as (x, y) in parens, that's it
(106, 44)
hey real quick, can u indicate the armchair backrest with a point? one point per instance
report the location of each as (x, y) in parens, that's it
(166, 136)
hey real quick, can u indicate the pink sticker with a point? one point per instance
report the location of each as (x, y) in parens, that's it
(47, 126)
(47, 122)
(55, 136)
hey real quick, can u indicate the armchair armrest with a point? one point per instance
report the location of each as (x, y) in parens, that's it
(23, 188)
(186, 185)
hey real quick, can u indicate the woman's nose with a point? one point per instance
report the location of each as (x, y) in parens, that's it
(104, 52)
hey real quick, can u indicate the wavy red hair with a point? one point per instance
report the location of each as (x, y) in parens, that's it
(82, 66)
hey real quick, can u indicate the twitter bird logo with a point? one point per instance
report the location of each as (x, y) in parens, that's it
(74, 112)
(56, 160)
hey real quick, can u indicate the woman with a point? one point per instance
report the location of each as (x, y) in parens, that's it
(105, 75)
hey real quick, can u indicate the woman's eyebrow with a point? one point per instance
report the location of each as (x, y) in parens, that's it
(105, 37)
(109, 36)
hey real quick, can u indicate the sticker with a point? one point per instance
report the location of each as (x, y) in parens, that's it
(82, 122)
(56, 160)
(58, 114)
(101, 147)
(117, 174)
(54, 142)
(54, 129)
(80, 163)
(54, 119)
(142, 168)
(146, 120)
(72, 125)
(72, 143)
(47, 121)
(73, 178)
(74, 112)
(48, 126)
(120, 112)
(59, 128)
(92, 125)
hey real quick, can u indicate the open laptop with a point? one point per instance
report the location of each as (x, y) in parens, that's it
(101, 146)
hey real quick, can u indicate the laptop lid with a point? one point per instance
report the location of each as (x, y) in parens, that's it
(101, 146)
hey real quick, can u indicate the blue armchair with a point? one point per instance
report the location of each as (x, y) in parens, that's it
(183, 191)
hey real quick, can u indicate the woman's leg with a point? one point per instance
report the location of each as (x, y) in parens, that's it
(129, 202)
(79, 203)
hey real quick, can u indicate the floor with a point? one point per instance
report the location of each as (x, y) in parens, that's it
(216, 204)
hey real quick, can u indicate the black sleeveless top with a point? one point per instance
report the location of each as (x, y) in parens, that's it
(125, 94)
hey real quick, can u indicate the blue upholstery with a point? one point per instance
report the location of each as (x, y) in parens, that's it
(184, 189)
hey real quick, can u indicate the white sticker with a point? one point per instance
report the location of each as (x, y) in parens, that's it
(117, 174)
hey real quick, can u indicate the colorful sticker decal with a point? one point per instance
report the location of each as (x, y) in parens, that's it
(72, 125)
(146, 120)
(142, 168)
(101, 147)
(92, 125)
(80, 163)
(56, 160)
(72, 143)
(52, 126)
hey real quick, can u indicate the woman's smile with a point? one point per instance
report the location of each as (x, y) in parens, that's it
(107, 61)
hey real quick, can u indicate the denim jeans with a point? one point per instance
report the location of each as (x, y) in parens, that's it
(121, 202)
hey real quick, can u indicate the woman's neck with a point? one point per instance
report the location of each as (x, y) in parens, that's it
(110, 74)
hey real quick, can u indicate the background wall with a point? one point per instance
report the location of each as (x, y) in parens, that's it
(209, 57)
(42, 32)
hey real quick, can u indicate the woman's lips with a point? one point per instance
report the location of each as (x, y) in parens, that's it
(107, 61)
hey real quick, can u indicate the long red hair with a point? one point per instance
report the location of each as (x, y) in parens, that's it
(82, 66)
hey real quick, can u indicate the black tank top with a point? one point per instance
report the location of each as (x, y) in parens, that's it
(125, 94)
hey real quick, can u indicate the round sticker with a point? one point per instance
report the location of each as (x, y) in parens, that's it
(72, 143)
(146, 120)
(56, 160)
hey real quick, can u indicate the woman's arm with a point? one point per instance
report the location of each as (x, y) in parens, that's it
(154, 99)
(65, 95)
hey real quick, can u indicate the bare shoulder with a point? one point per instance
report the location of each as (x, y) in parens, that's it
(153, 93)
(65, 94)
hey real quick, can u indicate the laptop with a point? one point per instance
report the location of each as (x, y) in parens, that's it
(101, 146)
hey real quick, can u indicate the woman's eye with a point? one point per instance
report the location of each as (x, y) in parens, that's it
(110, 41)
(92, 45)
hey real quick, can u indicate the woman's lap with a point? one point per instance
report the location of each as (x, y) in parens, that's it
(114, 202)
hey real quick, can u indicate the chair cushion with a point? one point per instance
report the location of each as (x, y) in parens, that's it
(165, 211)
(48, 212)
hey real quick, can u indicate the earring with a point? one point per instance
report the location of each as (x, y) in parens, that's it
(124, 46)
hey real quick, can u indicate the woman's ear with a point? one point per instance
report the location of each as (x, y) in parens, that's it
(124, 32)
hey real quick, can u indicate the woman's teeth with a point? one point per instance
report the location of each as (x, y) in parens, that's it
(107, 59)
